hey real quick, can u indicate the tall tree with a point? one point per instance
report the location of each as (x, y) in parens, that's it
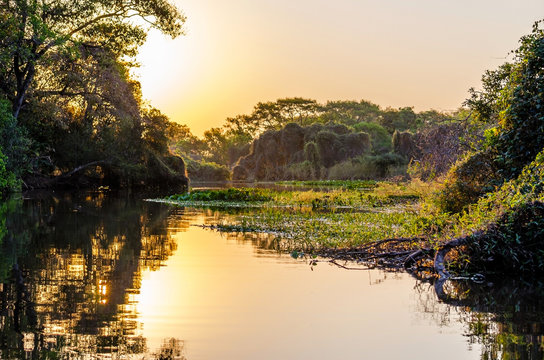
(34, 32)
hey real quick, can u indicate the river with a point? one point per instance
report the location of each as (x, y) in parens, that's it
(109, 276)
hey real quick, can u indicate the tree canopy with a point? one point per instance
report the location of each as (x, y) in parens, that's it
(65, 72)
(36, 33)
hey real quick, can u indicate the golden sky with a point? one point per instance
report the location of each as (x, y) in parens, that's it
(421, 53)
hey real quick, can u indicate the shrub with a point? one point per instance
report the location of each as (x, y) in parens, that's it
(368, 167)
(328, 144)
(206, 171)
(466, 181)
(349, 170)
(311, 154)
(512, 244)
(13, 143)
(305, 170)
(379, 137)
(404, 144)
(354, 144)
(8, 182)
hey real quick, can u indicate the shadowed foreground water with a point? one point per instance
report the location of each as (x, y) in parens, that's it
(98, 276)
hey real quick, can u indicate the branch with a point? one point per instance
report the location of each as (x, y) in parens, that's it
(79, 168)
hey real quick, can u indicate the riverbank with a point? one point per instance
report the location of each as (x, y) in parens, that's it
(390, 225)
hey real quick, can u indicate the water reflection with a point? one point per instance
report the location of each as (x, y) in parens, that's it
(72, 271)
(506, 317)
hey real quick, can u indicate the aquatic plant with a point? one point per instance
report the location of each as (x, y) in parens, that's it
(231, 194)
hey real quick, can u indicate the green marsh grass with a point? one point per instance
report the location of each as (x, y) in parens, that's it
(314, 220)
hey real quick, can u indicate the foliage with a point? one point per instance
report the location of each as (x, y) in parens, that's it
(512, 100)
(368, 167)
(438, 147)
(402, 119)
(37, 34)
(404, 144)
(350, 112)
(303, 171)
(300, 153)
(311, 220)
(379, 137)
(65, 70)
(230, 143)
(206, 171)
(513, 244)
(231, 194)
(8, 181)
(13, 147)
(469, 179)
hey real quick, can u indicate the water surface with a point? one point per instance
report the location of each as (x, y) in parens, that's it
(112, 276)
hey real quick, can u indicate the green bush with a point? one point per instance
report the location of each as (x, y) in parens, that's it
(206, 171)
(469, 179)
(13, 149)
(8, 182)
(379, 137)
(513, 244)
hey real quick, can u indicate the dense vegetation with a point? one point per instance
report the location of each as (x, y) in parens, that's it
(486, 217)
(70, 112)
(296, 138)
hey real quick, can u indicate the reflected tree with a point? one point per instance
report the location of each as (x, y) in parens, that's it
(70, 271)
(505, 318)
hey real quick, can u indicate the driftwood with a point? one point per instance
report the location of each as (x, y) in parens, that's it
(414, 255)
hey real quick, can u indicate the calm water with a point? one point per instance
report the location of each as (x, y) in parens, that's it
(108, 277)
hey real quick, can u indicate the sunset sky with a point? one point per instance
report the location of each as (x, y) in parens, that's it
(421, 53)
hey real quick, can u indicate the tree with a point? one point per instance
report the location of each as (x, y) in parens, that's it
(513, 99)
(350, 112)
(34, 33)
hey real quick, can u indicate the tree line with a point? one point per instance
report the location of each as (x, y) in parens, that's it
(211, 156)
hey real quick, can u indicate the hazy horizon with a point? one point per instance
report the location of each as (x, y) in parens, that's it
(425, 54)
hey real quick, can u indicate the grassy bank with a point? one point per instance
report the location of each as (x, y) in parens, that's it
(393, 225)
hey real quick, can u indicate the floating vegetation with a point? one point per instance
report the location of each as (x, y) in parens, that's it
(390, 198)
(231, 194)
(346, 184)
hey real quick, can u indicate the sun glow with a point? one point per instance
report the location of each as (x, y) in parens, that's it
(422, 53)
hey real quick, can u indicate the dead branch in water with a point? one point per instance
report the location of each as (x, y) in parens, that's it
(414, 255)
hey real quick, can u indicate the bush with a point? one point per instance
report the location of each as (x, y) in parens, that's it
(515, 94)
(349, 170)
(369, 167)
(404, 144)
(328, 144)
(467, 181)
(8, 182)
(354, 144)
(512, 244)
(13, 143)
(305, 170)
(206, 171)
(379, 137)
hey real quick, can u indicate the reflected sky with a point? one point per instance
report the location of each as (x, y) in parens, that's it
(227, 303)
